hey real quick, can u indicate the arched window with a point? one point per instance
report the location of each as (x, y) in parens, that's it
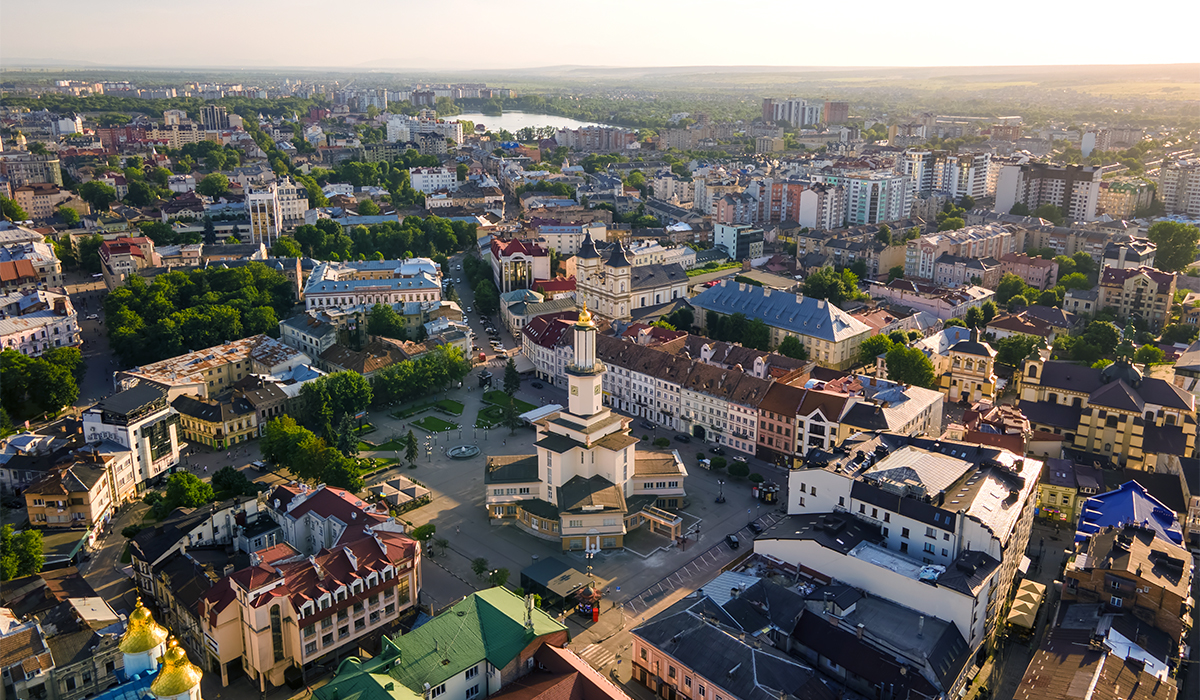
(1033, 371)
(277, 632)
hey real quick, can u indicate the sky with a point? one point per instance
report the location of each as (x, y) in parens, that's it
(486, 34)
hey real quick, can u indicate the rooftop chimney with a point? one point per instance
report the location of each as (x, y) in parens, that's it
(859, 630)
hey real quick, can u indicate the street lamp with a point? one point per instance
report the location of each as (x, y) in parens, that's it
(721, 493)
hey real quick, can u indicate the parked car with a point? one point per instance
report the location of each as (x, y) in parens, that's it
(755, 528)
(683, 438)
(92, 317)
(536, 385)
(468, 309)
(732, 540)
(717, 450)
(646, 424)
(740, 458)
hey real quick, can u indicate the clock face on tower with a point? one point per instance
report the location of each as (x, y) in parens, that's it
(574, 391)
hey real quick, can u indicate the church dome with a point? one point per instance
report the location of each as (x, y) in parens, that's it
(1122, 369)
(142, 633)
(178, 675)
(587, 249)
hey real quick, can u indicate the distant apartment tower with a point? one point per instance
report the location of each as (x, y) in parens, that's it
(265, 212)
(1073, 188)
(794, 111)
(28, 168)
(214, 117)
(1179, 187)
(956, 174)
(1121, 198)
(874, 197)
(837, 112)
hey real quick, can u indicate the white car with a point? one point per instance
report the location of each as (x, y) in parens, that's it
(468, 309)
(92, 317)
(740, 458)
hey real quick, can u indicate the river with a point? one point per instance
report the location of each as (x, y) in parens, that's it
(514, 121)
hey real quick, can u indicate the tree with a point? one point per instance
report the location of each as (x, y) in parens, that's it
(898, 337)
(974, 317)
(210, 232)
(1148, 355)
(757, 335)
(11, 210)
(499, 577)
(1104, 335)
(792, 347)
(1050, 213)
(739, 469)
(967, 202)
(896, 273)
(463, 170)
(286, 247)
(98, 195)
(423, 533)
(229, 482)
(1176, 244)
(1084, 264)
(1010, 286)
(411, 449)
(1179, 333)
(873, 347)
(213, 185)
(1075, 280)
(835, 287)
(512, 417)
(910, 366)
(20, 554)
(512, 378)
(368, 207)
(884, 234)
(1014, 349)
(441, 543)
(140, 194)
(952, 322)
(479, 565)
(952, 223)
(988, 308)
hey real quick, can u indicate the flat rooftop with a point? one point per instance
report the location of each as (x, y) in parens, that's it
(898, 563)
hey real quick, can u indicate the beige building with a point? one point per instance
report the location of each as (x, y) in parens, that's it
(1143, 292)
(1121, 198)
(615, 288)
(971, 373)
(213, 370)
(218, 422)
(39, 200)
(287, 609)
(79, 494)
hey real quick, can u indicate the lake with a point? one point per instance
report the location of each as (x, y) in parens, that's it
(514, 121)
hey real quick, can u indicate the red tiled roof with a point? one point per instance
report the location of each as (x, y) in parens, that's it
(12, 270)
(505, 248)
(337, 503)
(558, 284)
(547, 331)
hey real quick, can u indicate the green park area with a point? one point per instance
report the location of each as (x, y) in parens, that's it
(454, 408)
(501, 399)
(435, 425)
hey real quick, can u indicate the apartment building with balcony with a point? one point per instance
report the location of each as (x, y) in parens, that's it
(1073, 188)
(1179, 187)
(78, 494)
(982, 241)
(35, 321)
(287, 609)
(1143, 292)
(140, 420)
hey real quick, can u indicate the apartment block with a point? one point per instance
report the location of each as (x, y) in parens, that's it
(139, 419)
(1179, 187)
(1122, 197)
(982, 241)
(1143, 292)
(23, 168)
(1036, 272)
(1073, 188)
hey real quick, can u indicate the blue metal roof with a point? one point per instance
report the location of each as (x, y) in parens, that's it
(794, 313)
(1129, 504)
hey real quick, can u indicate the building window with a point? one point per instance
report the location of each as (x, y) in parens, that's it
(904, 533)
(277, 633)
(930, 533)
(473, 691)
(437, 692)
(1115, 601)
(473, 671)
(670, 671)
(643, 653)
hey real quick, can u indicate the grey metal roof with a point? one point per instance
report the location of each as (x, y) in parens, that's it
(794, 313)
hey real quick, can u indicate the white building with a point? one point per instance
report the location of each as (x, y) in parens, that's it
(430, 180)
(36, 321)
(1179, 187)
(955, 174)
(266, 213)
(338, 285)
(615, 287)
(140, 419)
(1073, 188)
(873, 197)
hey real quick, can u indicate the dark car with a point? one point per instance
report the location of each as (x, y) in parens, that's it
(755, 528)
(718, 450)
(733, 541)
(536, 385)
(647, 425)
(683, 438)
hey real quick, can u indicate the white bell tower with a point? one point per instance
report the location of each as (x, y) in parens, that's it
(585, 374)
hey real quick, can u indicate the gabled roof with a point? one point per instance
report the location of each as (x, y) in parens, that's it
(791, 312)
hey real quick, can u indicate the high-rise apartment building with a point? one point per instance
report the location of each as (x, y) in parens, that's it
(1179, 187)
(952, 173)
(1073, 188)
(27, 168)
(794, 111)
(214, 117)
(837, 112)
(874, 197)
(265, 212)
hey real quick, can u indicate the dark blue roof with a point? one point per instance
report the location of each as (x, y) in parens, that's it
(1128, 504)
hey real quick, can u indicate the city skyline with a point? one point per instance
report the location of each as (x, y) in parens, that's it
(704, 38)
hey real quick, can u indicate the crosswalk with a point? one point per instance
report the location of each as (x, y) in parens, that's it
(597, 656)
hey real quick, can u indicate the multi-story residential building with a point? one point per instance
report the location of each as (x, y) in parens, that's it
(596, 138)
(319, 518)
(744, 242)
(289, 610)
(546, 342)
(873, 197)
(1130, 253)
(1073, 188)
(565, 239)
(1114, 413)
(794, 111)
(831, 336)
(516, 263)
(41, 256)
(214, 117)
(498, 640)
(697, 649)
(36, 321)
(139, 419)
(940, 302)
(18, 276)
(23, 168)
(720, 406)
(177, 136)
(957, 271)
(40, 200)
(430, 180)
(213, 370)
(342, 286)
(983, 241)
(1143, 292)
(955, 174)
(83, 637)
(73, 495)
(1036, 272)
(936, 525)
(1129, 568)
(26, 664)
(1179, 187)
(293, 203)
(836, 112)
(1064, 486)
(122, 257)
(616, 289)
(586, 486)
(218, 422)
(1121, 198)
(265, 212)
(735, 208)
(308, 334)
(470, 196)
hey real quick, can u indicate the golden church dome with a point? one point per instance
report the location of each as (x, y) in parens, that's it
(142, 633)
(178, 675)
(585, 316)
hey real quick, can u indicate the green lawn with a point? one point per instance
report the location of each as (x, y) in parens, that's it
(389, 446)
(366, 447)
(490, 417)
(499, 398)
(452, 407)
(435, 425)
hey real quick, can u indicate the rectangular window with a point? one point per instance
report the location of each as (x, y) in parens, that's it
(930, 548)
(1115, 601)
(473, 691)
(904, 533)
(437, 692)
(473, 671)
(670, 671)
(930, 533)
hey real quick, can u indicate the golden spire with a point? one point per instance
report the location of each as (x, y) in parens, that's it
(585, 318)
(178, 675)
(142, 633)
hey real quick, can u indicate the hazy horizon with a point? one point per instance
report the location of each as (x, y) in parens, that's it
(519, 34)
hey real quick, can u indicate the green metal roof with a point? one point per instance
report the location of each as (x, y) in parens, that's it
(488, 625)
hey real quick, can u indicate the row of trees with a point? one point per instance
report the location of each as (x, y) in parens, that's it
(307, 456)
(736, 328)
(34, 386)
(413, 379)
(479, 276)
(432, 237)
(181, 311)
(833, 286)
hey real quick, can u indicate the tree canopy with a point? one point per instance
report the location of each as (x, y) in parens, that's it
(34, 386)
(20, 554)
(910, 366)
(1176, 244)
(873, 347)
(832, 285)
